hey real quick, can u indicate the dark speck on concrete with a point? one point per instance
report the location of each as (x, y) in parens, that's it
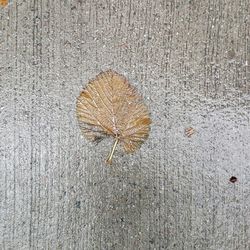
(78, 204)
(233, 179)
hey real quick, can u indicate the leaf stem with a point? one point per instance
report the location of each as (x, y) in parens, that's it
(109, 160)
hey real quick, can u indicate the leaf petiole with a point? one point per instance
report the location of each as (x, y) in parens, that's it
(109, 159)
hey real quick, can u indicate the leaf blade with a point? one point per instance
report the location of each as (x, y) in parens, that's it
(110, 106)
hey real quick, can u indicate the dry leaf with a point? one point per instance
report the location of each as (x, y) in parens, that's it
(3, 3)
(110, 106)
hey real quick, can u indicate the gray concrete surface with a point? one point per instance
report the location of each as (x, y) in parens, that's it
(190, 60)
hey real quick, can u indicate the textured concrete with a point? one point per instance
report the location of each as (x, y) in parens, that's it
(190, 60)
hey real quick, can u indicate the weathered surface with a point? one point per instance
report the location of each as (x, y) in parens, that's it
(190, 60)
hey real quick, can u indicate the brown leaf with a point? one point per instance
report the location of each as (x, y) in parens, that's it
(110, 106)
(3, 3)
